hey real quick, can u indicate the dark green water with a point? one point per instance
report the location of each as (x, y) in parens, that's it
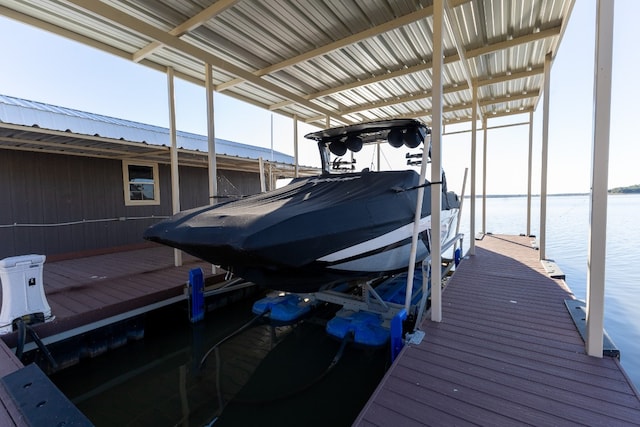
(265, 376)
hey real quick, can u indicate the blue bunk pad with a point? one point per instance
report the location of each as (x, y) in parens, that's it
(366, 327)
(393, 289)
(284, 308)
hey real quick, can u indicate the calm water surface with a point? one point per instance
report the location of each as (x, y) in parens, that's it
(263, 376)
(278, 376)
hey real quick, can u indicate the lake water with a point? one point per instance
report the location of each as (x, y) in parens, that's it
(279, 376)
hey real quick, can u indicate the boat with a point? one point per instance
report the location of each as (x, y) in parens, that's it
(321, 231)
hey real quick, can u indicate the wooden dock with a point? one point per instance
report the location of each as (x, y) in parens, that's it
(506, 353)
(94, 290)
(88, 292)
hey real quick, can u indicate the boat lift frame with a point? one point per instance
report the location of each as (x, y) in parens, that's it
(371, 301)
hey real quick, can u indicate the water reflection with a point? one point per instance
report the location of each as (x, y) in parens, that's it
(263, 375)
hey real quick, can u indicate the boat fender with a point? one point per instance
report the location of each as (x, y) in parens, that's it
(457, 256)
(397, 333)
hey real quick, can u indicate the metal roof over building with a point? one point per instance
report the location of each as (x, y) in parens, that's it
(18, 111)
(351, 61)
(34, 126)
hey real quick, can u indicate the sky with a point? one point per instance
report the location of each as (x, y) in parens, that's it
(41, 66)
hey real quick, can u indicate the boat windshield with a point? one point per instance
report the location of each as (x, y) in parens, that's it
(339, 145)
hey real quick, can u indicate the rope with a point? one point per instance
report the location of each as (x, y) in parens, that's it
(231, 335)
(347, 339)
(426, 184)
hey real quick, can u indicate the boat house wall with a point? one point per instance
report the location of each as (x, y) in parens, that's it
(56, 204)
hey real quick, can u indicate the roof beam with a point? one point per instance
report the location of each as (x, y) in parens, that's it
(375, 79)
(508, 98)
(63, 32)
(457, 37)
(187, 26)
(506, 44)
(452, 89)
(338, 44)
(490, 48)
(466, 106)
(417, 96)
(510, 75)
(147, 30)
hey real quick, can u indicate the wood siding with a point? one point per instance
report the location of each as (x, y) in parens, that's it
(41, 192)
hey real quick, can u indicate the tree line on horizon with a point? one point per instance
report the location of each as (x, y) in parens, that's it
(626, 190)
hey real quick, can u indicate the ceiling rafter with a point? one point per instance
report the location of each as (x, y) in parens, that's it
(509, 76)
(338, 44)
(63, 32)
(454, 29)
(427, 115)
(495, 79)
(147, 30)
(412, 97)
(490, 48)
(347, 41)
(508, 98)
(189, 25)
(515, 41)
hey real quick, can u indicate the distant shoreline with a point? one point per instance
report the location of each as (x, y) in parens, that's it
(495, 196)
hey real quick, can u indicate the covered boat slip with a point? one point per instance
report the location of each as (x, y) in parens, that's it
(332, 63)
(506, 353)
(445, 62)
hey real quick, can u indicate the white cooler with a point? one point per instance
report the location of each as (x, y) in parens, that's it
(22, 290)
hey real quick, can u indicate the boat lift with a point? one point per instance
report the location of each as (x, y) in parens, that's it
(376, 315)
(385, 302)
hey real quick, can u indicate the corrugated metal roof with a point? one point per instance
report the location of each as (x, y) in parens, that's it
(350, 60)
(22, 112)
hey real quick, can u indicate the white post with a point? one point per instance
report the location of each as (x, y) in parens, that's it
(212, 165)
(175, 177)
(545, 154)
(416, 227)
(272, 137)
(529, 173)
(472, 206)
(295, 145)
(263, 185)
(484, 175)
(436, 160)
(211, 137)
(599, 178)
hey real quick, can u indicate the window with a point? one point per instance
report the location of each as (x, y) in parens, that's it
(140, 184)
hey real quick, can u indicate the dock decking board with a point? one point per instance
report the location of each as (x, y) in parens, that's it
(505, 353)
(88, 289)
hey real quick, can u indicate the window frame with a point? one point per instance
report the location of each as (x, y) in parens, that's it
(126, 183)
